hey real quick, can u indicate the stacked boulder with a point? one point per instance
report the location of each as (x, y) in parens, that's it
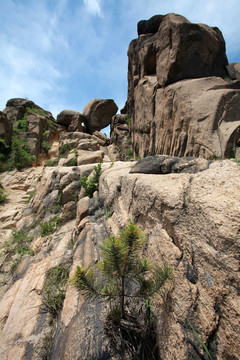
(73, 139)
(31, 123)
(85, 144)
(97, 114)
(182, 96)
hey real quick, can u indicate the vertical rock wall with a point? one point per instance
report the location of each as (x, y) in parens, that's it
(178, 98)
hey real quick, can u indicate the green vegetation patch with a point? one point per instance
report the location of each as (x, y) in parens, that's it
(36, 111)
(51, 163)
(19, 243)
(91, 184)
(49, 227)
(17, 247)
(21, 156)
(18, 157)
(64, 150)
(30, 197)
(55, 290)
(3, 194)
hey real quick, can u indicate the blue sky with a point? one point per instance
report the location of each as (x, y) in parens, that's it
(63, 53)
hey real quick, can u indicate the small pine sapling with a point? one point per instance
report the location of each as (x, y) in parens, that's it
(127, 283)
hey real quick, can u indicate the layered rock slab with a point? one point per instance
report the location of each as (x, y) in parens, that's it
(198, 117)
(192, 224)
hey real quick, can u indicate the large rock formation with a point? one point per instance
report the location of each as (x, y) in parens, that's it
(99, 113)
(192, 224)
(74, 120)
(178, 99)
(31, 123)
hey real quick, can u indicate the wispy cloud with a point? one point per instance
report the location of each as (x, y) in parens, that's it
(63, 53)
(93, 7)
(27, 53)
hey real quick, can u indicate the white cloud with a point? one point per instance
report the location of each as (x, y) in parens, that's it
(93, 7)
(61, 56)
(28, 47)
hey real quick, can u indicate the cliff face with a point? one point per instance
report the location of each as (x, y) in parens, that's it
(178, 98)
(191, 219)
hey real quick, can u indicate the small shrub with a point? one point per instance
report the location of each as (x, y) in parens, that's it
(51, 162)
(47, 345)
(54, 290)
(73, 162)
(31, 195)
(108, 212)
(128, 121)
(64, 150)
(127, 284)
(3, 194)
(4, 153)
(20, 240)
(91, 185)
(48, 227)
(22, 125)
(20, 154)
(14, 266)
(46, 146)
(17, 247)
(36, 111)
(3, 146)
(75, 152)
(129, 152)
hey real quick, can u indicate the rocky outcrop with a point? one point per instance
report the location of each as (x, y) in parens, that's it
(78, 148)
(234, 71)
(149, 26)
(120, 135)
(187, 217)
(74, 120)
(168, 109)
(99, 113)
(168, 164)
(33, 124)
(192, 224)
(175, 120)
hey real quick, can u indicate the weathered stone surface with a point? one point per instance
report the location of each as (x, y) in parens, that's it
(176, 121)
(119, 135)
(192, 224)
(70, 192)
(186, 50)
(82, 209)
(68, 212)
(149, 26)
(101, 138)
(169, 164)
(74, 120)
(99, 114)
(89, 157)
(234, 71)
